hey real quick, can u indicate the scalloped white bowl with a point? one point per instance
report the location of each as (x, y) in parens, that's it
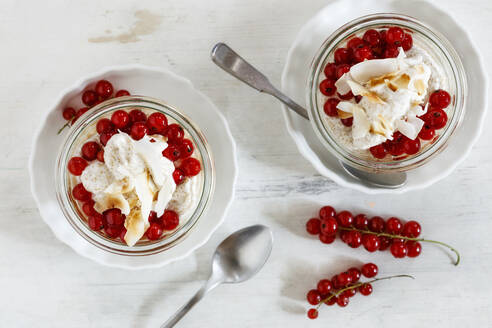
(296, 71)
(147, 81)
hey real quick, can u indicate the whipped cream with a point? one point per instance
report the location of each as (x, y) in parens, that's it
(392, 91)
(137, 170)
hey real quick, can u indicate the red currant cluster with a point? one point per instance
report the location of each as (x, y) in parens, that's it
(103, 90)
(373, 45)
(341, 287)
(112, 220)
(435, 119)
(374, 234)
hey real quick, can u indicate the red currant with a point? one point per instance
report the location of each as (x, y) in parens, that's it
(100, 156)
(331, 71)
(76, 165)
(88, 208)
(354, 238)
(120, 119)
(154, 232)
(313, 226)
(343, 56)
(394, 35)
(391, 52)
(136, 115)
(90, 150)
(104, 89)
(411, 229)
(342, 300)
(113, 218)
(329, 226)
(104, 137)
(327, 87)
(369, 270)
(95, 222)
(349, 292)
(393, 226)
(175, 133)
(361, 222)
(170, 220)
(361, 54)
(312, 313)
(378, 151)
(399, 249)
(344, 279)
(355, 274)
(80, 193)
(178, 176)
(122, 93)
(347, 121)
(376, 224)
(440, 99)
(330, 107)
(157, 123)
(327, 239)
(407, 42)
(342, 69)
(313, 297)
(324, 286)
(365, 289)
(427, 132)
(411, 146)
(355, 43)
(104, 125)
(384, 243)
(414, 248)
(186, 148)
(372, 37)
(345, 219)
(327, 212)
(370, 242)
(437, 118)
(138, 130)
(113, 231)
(190, 166)
(68, 113)
(89, 97)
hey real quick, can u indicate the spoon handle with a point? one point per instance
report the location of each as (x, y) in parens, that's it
(211, 284)
(232, 63)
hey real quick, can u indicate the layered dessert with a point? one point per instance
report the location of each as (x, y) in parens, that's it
(136, 176)
(383, 97)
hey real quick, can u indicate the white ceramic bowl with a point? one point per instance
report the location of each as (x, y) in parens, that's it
(296, 73)
(152, 82)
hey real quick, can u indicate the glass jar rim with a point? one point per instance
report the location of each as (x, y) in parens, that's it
(342, 34)
(61, 176)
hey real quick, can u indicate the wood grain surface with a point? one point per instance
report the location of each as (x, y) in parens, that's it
(47, 45)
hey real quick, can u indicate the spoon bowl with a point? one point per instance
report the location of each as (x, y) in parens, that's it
(241, 255)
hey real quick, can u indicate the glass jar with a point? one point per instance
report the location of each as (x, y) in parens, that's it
(430, 41)
(77, 137)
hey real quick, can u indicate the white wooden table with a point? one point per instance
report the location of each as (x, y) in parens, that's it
(46, 45)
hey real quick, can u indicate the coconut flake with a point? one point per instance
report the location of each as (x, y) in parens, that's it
(342, 85)
(361, 124)
(366, 70)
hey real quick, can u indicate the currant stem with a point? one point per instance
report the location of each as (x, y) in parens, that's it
(384, 234)
(64, 126)
(357, 285)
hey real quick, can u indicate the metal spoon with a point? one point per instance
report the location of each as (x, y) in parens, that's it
(238, 258)
(227, 59)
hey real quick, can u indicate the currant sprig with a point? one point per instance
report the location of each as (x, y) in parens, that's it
(341, 287)
(374, 234)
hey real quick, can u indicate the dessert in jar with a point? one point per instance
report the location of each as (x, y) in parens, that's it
(384, 97)
(135, 175)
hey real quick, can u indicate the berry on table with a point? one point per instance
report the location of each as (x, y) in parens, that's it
(399, 249)
(369, 270)
(104, 89)
(313, 226)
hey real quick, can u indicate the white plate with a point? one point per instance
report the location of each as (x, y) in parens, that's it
(307, 43)
(152, 82)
